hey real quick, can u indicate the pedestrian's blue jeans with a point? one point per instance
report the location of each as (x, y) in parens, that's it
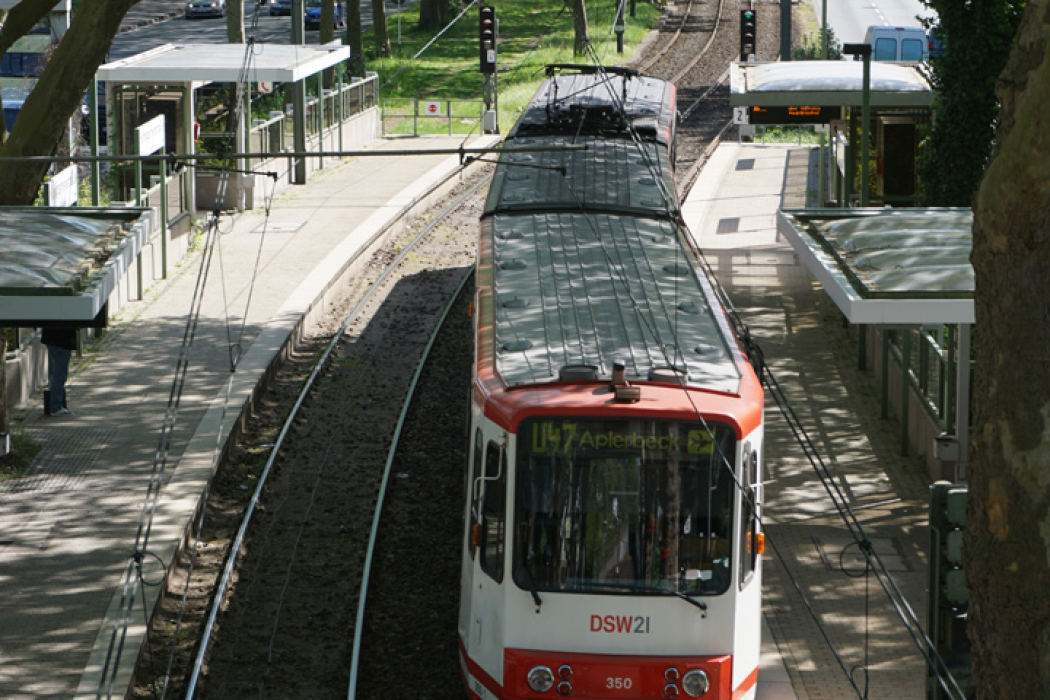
(58, 361)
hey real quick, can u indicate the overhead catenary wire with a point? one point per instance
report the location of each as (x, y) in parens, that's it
(133, 577)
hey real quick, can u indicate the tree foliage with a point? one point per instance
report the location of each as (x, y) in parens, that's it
(977, 36)
(812, 48)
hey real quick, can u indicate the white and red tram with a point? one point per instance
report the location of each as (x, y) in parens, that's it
(612, 547)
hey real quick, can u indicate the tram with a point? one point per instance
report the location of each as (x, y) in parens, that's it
(612, 546)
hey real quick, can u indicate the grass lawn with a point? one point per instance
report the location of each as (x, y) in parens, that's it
(532, 34)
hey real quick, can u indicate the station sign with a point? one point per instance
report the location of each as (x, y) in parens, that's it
(794, 114)
(151, 136)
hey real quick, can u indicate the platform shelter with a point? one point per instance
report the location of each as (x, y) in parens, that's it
(830, 94)
(165, 80)
(907, 273)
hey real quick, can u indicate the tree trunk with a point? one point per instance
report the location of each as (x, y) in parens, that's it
(354, 39)
(1007, 543)
(579, 23)
(326, 35)
(20, 19)
(235, 21)
(57, 96)
(5, 420)
(433, 14)
(382, 36)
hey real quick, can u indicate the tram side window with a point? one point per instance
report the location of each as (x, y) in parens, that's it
(749, 515)
(493, 513)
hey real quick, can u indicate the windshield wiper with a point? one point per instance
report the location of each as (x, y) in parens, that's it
(698, 603)
(648, 589)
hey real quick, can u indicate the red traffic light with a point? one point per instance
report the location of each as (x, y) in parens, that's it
(487, 39)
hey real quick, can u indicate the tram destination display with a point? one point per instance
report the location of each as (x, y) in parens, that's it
(793, 114)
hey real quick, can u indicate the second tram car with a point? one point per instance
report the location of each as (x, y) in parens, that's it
(612, 544)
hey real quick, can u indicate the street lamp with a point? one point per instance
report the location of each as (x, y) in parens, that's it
(864, 51)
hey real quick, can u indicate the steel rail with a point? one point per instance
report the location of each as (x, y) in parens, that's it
(362, 599)
(231, 559)
(678, 32)
(703, 52)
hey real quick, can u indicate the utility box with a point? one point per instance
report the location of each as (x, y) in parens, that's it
(489, 123)
(946, 448)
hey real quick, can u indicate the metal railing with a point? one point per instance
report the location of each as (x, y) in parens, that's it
(415, 117)
(928, 358)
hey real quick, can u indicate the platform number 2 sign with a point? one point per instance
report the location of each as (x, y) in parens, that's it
(740, 115)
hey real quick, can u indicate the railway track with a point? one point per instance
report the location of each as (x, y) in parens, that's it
(287, 621)
(287, 624)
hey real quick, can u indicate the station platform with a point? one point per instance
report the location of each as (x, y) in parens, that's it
(69, 527)
(731, 211)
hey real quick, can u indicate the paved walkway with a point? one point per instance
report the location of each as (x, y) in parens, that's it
(732, 213)
(68, 529)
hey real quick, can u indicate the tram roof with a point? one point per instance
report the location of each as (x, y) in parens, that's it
(595, 97)
(608, 174)
(59, 265)
(889, 266)
(828, 83)
(575, 289)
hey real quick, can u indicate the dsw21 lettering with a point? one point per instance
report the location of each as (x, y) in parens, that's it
(620, 624)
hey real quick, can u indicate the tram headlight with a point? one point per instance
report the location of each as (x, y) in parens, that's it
(695, 683)
(540, 679)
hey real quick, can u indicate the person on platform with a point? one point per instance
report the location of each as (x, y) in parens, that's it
(60, 342)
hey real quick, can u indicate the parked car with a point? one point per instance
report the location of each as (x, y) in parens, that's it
(205, 8)
(280, 7)
(313, 15)
(897, 43)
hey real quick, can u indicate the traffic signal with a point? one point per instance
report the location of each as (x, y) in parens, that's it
(948, 599)
(487, 39)
(747, 34)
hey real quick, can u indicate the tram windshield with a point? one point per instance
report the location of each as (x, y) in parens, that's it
(617, 506)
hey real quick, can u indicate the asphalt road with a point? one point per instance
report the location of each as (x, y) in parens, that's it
(153, 23)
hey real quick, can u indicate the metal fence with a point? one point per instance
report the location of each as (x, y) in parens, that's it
(928, 357)
(415, 117)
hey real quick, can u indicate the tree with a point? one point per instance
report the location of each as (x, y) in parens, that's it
(977, 38)
(433, 14)
(1007, 541)
(57, 94)
(326, 35)
(579, 24)
(354, 39)
(235, 21)
(45, 115)
(382, 36)
(326, 30)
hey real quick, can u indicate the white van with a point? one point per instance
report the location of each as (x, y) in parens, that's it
(897, 44)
